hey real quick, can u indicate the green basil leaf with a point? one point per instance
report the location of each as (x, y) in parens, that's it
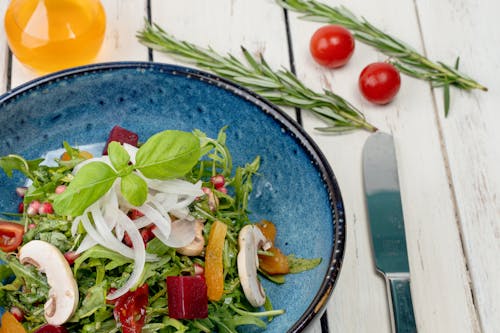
(91, 182)
(118, 156)
(134, 189)
(168, 154)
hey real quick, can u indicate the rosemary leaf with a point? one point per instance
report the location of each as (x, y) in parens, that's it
(281, 86)
(402, 55)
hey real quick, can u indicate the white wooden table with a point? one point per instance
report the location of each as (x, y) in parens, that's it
(449, 167)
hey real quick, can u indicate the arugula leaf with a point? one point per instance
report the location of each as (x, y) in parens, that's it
(118, 156)
(91, 182)
(10, 163)
(101, 253)
(94, 300)
(134, 189)
(298, 265)
(168, 154)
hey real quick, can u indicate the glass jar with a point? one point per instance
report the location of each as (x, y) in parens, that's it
(50, 35)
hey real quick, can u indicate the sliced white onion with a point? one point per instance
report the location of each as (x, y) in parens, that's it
(74, 225)
(109, 221)
(142, 222)
(176, 186)
(104, 237)
(131, 150)
(162, 222)
(86, 244)
(180, 213)
(139, 260)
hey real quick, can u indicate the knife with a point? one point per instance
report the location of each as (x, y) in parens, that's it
(385, 214)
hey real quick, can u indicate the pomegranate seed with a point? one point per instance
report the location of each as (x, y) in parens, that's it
(198, 269)
(31, 226)
(60, 189)
(17, 313)
(21, 191)
(134, 214)
(126, 240)
(46, 208)
(20, 208)
(33, 208)
(218, 181)
(147, 234)
(213, 201)
(71, 256)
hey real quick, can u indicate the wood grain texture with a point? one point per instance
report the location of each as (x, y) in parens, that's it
(448, 168)
(440, 287)
(471, 137)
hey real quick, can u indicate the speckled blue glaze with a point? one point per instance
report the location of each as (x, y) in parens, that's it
(296, 189)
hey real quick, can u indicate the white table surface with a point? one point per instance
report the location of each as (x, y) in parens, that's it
(449, 167)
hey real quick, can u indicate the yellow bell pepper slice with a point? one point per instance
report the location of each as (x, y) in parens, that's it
(214, 270)
(10, 324)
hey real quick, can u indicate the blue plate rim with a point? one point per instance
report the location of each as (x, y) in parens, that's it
(319, 302)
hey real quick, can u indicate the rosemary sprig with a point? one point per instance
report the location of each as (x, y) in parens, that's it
(402, 55)
(281, 87)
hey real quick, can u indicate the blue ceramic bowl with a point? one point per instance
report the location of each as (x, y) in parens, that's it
(296, 190)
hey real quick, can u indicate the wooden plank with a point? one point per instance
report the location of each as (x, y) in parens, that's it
(471, 136)
(226, 25)
(4, 60)
(123, 19)
(436, 258)
(256, 25)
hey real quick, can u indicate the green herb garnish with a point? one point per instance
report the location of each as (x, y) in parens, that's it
(402, 55)
(281, 87)
(166, 155)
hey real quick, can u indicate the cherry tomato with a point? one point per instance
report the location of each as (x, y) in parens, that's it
(11, 235)
(379, 82)
(130, 309)
(331, 46)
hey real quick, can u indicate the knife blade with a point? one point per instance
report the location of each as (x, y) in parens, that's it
(385, 213)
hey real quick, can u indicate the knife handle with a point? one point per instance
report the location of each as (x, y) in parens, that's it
(398, 288)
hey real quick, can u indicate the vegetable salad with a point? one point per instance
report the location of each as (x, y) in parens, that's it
(149, 237)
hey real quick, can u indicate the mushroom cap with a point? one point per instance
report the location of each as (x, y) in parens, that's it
(195, 248)
(63, 293)
(250, 240)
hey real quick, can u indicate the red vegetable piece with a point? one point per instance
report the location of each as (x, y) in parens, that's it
(187, 297)
(134, 214)
(130, 309)
(121, 135)
(51, 329)
(11, 235)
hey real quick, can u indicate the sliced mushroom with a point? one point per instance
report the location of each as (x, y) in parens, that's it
(63, 293)
(250, 240)
(198, 243)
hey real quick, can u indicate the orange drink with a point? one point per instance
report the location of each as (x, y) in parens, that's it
(49, 35)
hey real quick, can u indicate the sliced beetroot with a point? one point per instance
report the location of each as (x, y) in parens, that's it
(187, 297)
(121, 135)
(47, 328)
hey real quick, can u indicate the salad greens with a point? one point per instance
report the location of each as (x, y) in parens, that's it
(195, 158)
